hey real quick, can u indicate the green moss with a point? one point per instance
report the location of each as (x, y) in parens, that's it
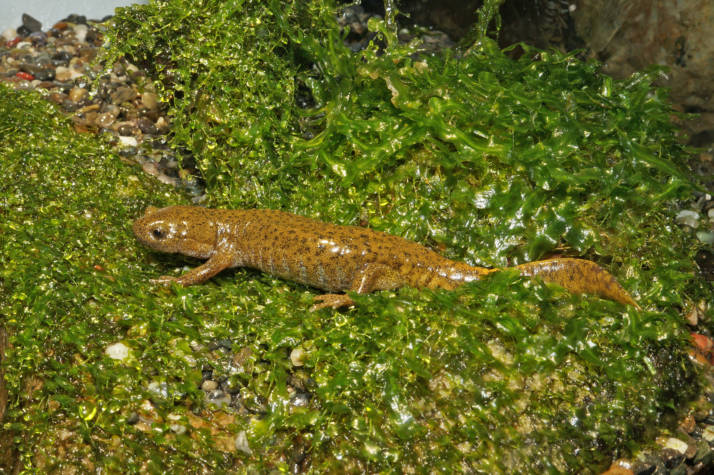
(486, 158)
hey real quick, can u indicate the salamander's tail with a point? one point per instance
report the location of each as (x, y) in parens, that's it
(579, 276)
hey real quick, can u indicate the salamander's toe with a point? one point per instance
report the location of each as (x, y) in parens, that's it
(331, 300)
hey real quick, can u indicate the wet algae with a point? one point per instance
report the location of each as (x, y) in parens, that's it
(485, 158)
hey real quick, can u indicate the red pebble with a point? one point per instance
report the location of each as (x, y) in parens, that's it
(12, 43)
(24, 75)
(704, 343)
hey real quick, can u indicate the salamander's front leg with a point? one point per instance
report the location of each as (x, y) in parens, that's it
(202, 273)
(369, 278)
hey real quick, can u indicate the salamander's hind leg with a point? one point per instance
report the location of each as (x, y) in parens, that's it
(369, 278)
(579, 276)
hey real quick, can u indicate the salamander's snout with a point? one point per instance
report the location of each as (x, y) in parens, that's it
(153, 230)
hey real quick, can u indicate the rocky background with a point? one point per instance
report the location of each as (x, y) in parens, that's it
(624, 35)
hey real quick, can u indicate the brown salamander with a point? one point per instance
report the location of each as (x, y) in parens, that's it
(331, 257)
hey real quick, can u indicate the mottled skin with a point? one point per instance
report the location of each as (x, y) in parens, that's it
(331, 257)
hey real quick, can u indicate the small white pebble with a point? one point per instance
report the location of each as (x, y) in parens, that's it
(688, 218)
(706, 237)
(297, 356)
(9, 34)
(242, 443)
(676, 444)
(117, 351)
(176, 426)
(708, 433)
(128, 141)
(80, 32)
(710, 213)
(209, 385)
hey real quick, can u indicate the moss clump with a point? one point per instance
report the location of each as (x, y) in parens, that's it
(488, 159)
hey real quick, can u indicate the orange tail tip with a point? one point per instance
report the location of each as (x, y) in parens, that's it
(579, 276)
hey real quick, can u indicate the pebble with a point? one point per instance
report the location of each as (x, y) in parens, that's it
(147, 126)
(675, 444)
(76, 94)
(105, 119)
(30, 23)
(708, 433)
(65, 74)
(122, 94)
(297, 356)
(174, 424)
(80, 32)
(242, 443)
(707, 237)
(128, 141)
(209, 385)
(117, 351)
(126, 129)
(301, 399)
(688, 218)
(149, 100)
(9, 34)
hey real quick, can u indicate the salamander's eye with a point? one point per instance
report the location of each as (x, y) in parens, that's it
(158, 233)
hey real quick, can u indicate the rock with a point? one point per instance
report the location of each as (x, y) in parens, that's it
(9, 34)
(79, 19)
(707, 237)
(677, 445)
(126, 129)
(38, 38)
(117, 351)
(80, 32)
(42, 73)
(77, 94)
(64, 74)
(30, 23)
(174, 425)
(146, 126)
(105, 119)
(149, 100)
(241, 443)
(123, 94)
(57, 97)
(688, 218)
(162, 124)
(209, 385)
(128, 141)
(630, 35)
(297, 356)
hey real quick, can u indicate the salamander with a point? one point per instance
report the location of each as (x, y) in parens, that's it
(331, 257)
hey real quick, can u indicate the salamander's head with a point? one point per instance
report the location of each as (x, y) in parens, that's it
(184, 229)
